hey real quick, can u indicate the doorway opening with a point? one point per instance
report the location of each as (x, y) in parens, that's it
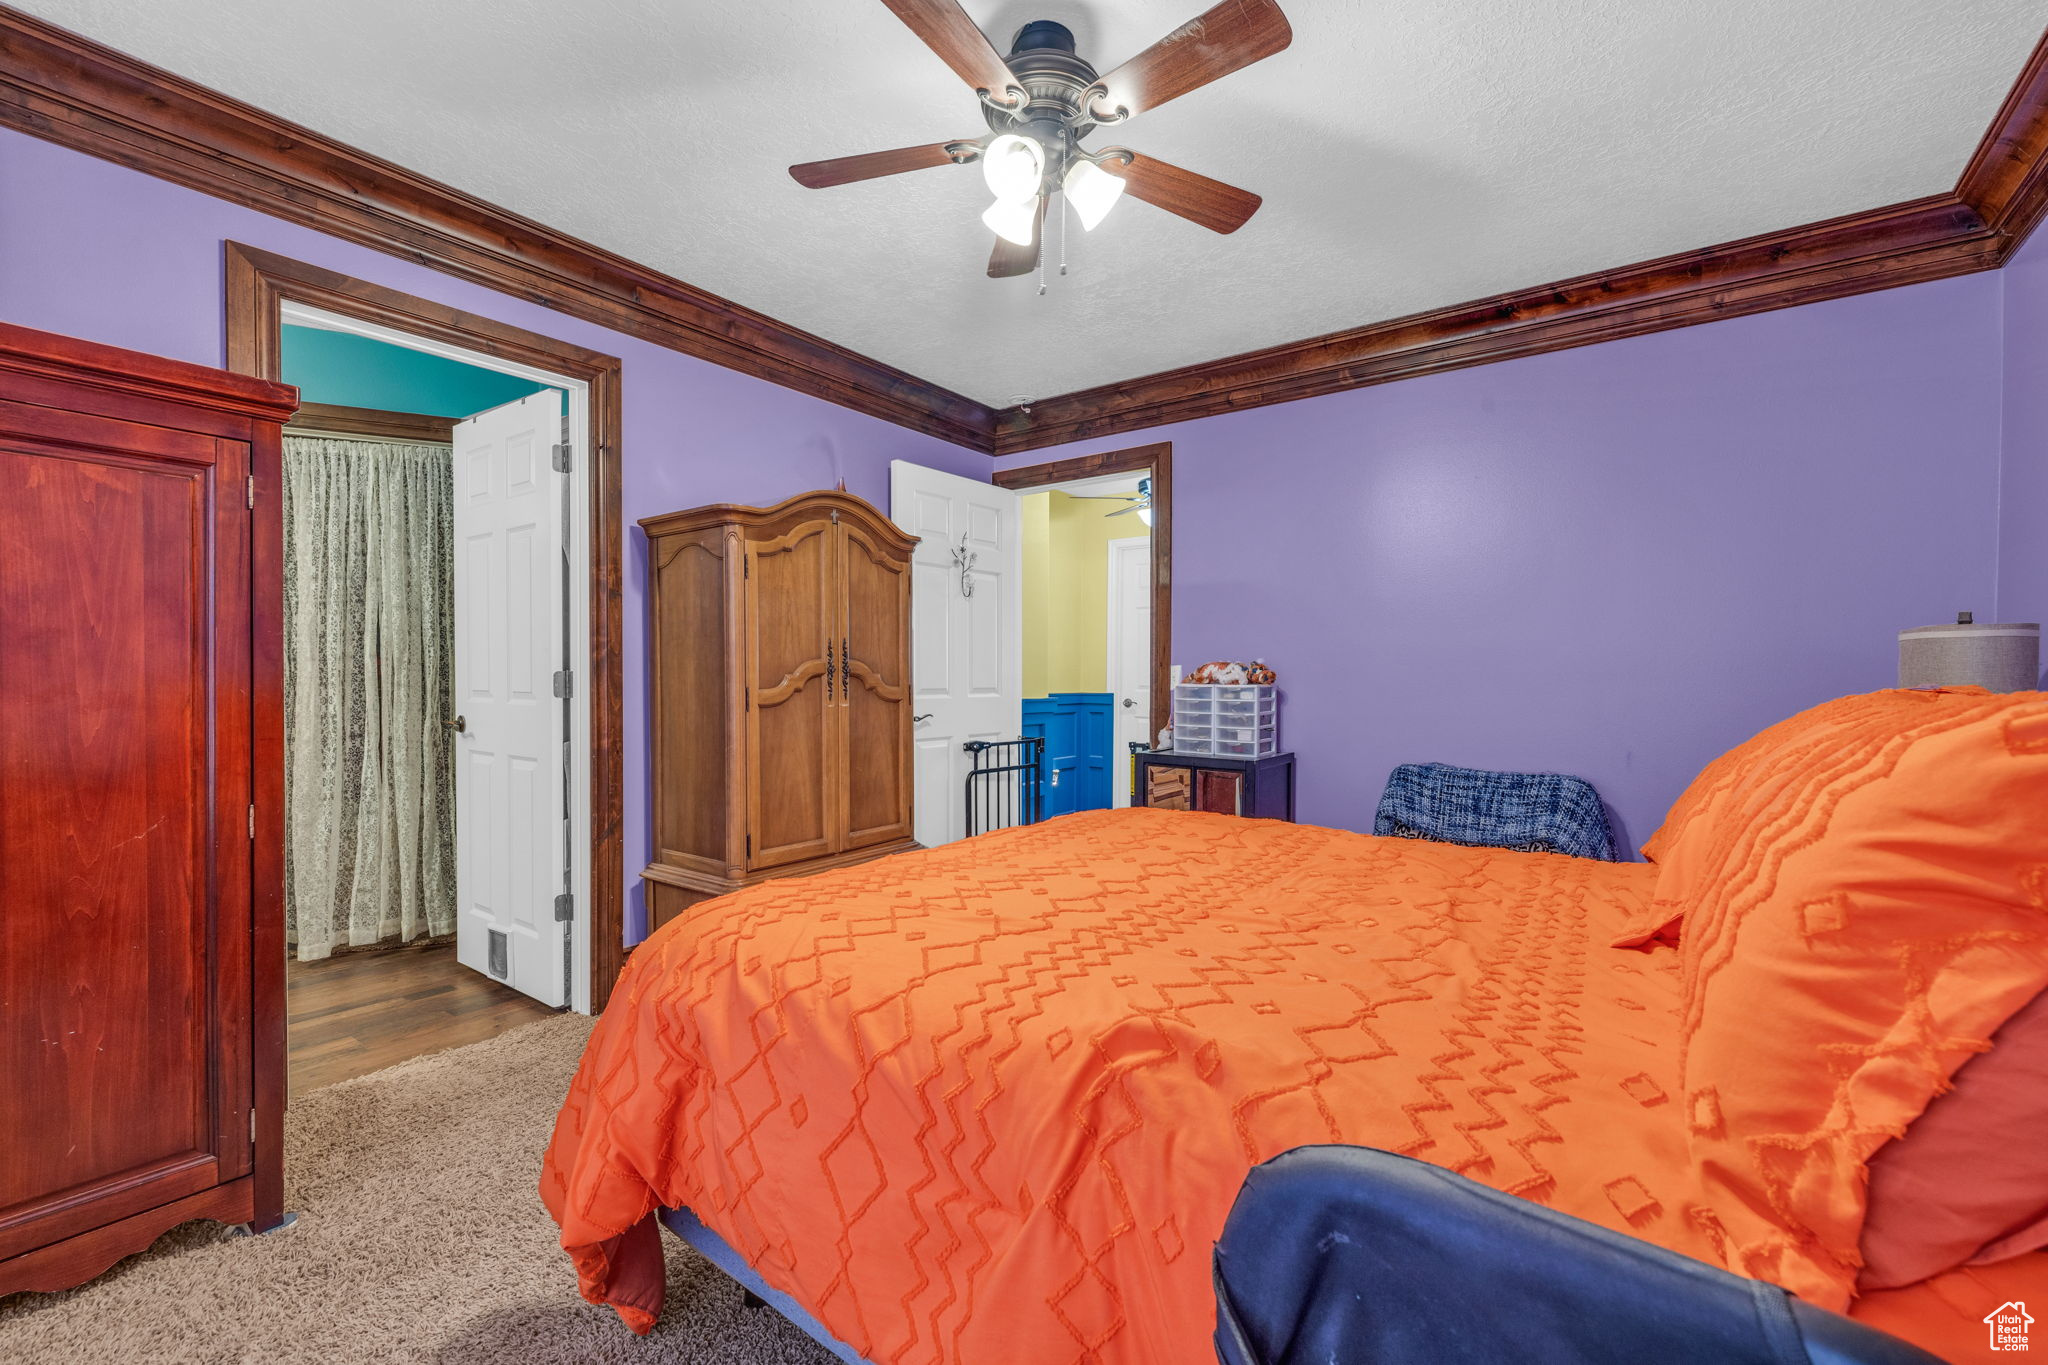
(390, 955)
(449, 798)
(968, 623)
(1087, 547)
(1096, 538)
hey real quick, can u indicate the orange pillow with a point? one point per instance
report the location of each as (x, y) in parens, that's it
(1923, 1219)
(1872, 906)
(1687, 838)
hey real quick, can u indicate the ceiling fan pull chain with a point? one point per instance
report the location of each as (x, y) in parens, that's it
(1063, 234)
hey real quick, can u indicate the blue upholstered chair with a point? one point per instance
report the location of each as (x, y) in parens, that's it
(1535, 812)
(1350, 1256)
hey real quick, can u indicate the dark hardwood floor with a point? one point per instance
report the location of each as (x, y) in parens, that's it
(359, 1012)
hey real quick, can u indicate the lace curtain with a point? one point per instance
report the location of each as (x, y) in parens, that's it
(369, 654)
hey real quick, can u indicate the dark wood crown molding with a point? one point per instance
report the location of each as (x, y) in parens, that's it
(1927, 239)
(2006, 181)
(2000, 198)
(68, 89)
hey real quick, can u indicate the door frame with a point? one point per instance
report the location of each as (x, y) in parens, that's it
(1157, 461)
(259, 285)
(1112, 675)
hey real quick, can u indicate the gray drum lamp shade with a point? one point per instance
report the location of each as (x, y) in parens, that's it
(2001, 658)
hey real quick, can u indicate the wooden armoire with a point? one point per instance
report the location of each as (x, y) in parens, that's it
(779, 646)
(141, 804)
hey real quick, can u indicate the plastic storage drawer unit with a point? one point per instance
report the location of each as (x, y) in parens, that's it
(1227, 720)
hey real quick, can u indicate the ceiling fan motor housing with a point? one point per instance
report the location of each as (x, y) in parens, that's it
(1056, 83)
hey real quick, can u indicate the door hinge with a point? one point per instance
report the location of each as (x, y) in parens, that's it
(565, 908)
(252, 822)
(565, 683)
(252, 490)
(562, 458)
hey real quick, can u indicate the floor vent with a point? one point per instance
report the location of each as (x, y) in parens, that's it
(500, 952)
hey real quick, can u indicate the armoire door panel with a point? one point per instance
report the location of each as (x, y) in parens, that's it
(876, 692)
(791, 715)
(691, 718)
(125, 1064)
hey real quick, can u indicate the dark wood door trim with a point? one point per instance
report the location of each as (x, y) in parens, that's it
(1157, 460)
(259, 283)
(61, 86)
(416, 428)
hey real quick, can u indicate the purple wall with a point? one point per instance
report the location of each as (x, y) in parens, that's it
(2023, 495)
(1616, 561)
(94, 250)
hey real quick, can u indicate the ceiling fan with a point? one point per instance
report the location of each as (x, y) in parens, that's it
(1043, 99)
(1139, 502)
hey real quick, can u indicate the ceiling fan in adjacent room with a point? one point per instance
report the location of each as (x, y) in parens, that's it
(1043, 99)
(1139, 502)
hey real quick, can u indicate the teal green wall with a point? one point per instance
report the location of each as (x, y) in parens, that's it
(356, 372)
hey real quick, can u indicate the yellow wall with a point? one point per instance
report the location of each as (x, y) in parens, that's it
(1066, 590)
(1036, 509)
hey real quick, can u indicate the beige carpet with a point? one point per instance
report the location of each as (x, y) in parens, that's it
(420, 1238)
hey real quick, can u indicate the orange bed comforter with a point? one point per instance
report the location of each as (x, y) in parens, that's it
(990, 1103)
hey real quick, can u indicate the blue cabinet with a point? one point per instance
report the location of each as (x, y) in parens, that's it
(1076, 730)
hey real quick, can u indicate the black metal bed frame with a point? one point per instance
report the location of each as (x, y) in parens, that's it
(1005, 783)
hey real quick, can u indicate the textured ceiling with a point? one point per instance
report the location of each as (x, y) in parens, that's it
(1412, 155)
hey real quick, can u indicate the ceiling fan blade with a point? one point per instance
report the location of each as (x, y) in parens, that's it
(844, 170)
(1227, 37)
(1211, 203)
(946, 30)
(1136, 507)
(1009, 259)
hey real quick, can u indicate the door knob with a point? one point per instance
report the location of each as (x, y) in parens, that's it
(458, 725)
(1128, 702)
(919, 720)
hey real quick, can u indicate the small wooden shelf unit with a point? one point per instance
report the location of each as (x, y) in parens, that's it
(1262, 787)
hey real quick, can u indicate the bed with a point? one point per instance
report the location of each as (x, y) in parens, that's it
(991, 1102)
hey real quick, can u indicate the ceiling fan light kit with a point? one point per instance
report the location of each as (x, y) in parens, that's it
(1092, 191)
(1013, 167)
(1013, 220)
(1040, 102)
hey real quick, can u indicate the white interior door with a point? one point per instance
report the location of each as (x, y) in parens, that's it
(1130, 656)
(511, 809)
(966, 632)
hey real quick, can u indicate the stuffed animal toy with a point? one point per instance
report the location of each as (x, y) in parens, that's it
(1226, 674)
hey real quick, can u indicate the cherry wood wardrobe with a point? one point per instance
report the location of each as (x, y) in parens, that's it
(780, 652)
(141, 772)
